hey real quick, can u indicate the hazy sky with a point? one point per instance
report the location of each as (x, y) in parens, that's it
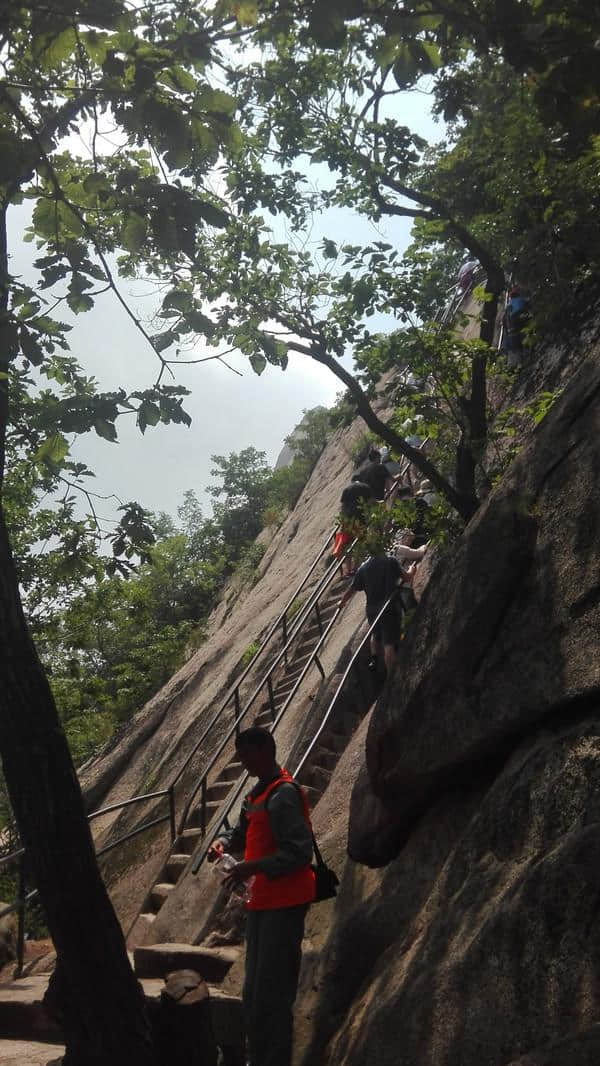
(228, 412)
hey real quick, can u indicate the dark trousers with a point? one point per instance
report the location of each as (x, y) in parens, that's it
(273, 953)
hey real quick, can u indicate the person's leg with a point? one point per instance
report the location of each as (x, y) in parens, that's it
(390, 627)
(253, 928)
(275, 979)
(389, 657)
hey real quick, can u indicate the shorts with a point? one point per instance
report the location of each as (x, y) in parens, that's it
(340, 543)
(387, 630)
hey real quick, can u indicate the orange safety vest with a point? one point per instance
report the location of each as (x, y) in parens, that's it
(290, 889)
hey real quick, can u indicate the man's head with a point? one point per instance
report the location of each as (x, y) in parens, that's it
(256, 751)
(374, 456)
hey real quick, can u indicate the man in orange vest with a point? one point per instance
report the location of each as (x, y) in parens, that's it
(275, 835)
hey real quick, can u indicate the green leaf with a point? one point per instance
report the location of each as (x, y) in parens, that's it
(406, 68)
(246, 12)
(258, 363)
(326, 26)
(79, 301)
(105, 429)
(329, 249)
(52, 49)
(200, 323)
(133, 234)
(30, 347)
(211, 214)
(53, 449)
(148, 415)
(216, 101)
(160, 341)
(180, 299)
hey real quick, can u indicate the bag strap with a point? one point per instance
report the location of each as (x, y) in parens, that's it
(318, 856)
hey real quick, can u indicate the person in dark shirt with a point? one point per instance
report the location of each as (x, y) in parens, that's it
(378, 577)
(352, 502)
(376, 475)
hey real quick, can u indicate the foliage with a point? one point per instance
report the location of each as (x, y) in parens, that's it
(249, 653)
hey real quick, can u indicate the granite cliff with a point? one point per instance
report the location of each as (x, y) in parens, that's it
(463, 817)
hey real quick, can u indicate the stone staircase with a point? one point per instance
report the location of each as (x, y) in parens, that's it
(25, 1025)
(228, 777)
(22, 1016)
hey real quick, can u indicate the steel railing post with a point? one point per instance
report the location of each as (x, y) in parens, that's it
(21, 918)
(271, 695)
(203, 808)
(284, 632)
(237, 710)
(171, 794)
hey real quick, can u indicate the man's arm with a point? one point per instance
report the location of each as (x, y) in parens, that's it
(231, 840)
(347, 595)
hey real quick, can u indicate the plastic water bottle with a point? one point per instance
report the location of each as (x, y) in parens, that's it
(222, 866)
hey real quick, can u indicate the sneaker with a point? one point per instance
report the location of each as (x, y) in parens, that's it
(372, 663)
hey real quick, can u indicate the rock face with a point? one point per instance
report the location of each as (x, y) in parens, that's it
(8, 936)
(473, 940)
(507, 631)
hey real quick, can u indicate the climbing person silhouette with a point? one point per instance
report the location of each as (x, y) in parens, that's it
(274, 834)
(378, 578)
(516, 317)
(376, 475)
(352, 513)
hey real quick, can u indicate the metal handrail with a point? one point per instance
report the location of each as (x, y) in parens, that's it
(281, 620)
(343, 680)
(307, 609)
(312, 604)
(24, 898)
(240, 785)
(224, 815)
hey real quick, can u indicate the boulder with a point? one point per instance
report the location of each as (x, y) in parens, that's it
(8, 936)
(506, 632)
(481, 945)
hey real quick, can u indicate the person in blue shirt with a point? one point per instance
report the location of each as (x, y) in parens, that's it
(516, 316)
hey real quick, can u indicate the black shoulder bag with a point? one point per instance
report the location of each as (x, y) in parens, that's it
(326, 879)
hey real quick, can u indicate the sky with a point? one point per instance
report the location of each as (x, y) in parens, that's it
(228, 412)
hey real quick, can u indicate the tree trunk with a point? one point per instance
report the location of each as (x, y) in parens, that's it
(473, 438)
(103, 1010)
(463, 505)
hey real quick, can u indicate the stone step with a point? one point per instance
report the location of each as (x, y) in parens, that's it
(265, 718)
(313, 795)
(216, 792)
(23, 1018)
(345, 723)
(29, 1053)
(159, 894)
(175, 866)
(325, 757)
(319, 777)
(231, 772)
(334, 742)
(189, 840)
(194, 818)
(157, 960)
